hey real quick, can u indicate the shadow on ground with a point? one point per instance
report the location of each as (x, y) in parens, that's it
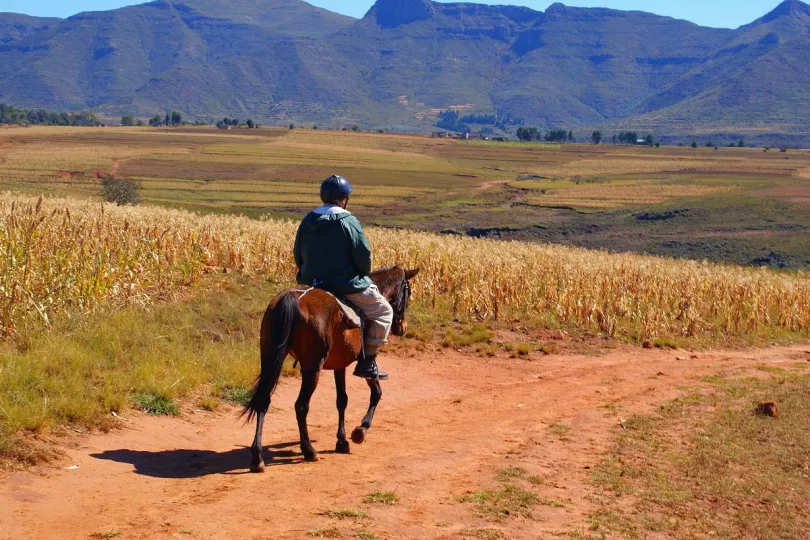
(185, 463)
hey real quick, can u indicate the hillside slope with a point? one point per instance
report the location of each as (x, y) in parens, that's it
(280, 60)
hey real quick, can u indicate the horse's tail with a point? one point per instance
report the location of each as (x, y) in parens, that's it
(280, 322)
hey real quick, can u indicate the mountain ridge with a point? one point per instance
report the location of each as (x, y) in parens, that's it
(285, 60)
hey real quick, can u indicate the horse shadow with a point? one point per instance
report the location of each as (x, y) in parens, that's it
(187, 463)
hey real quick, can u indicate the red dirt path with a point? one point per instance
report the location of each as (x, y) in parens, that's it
(446, 424)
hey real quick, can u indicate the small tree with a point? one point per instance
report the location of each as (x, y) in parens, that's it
(355, 128)
(570, 136)
(292, 126)
(250, 123)
(177, 118)
(140, 123)
(121, 191)
(127, 120)
(155, 121)
(694, 145)
(649, 140)
(741, 144)
(596, 137)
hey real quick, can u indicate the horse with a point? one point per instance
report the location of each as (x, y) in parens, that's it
(309, 324)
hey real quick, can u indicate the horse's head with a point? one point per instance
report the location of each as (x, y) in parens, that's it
(400, 302)
(393, 284)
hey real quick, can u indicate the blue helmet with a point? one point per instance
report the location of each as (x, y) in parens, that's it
(335, 188)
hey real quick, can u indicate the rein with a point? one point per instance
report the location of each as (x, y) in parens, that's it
(400, 303)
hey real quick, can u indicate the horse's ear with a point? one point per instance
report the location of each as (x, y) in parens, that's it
(410, 274)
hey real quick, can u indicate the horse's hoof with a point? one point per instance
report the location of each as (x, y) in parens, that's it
(257, 468)
(312, 458)
(342, 447)
(359, 435)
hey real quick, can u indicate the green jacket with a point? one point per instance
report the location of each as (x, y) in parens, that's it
(331, 248)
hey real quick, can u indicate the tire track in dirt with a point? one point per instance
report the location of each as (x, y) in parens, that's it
(446, 424)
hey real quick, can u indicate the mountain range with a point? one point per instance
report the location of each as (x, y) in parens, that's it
(405, 60)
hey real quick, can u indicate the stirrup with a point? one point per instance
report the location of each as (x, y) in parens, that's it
(367, 369)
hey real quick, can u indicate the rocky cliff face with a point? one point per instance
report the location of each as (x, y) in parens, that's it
(394, 13)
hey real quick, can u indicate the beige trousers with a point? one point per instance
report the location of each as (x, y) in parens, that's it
(379, 314)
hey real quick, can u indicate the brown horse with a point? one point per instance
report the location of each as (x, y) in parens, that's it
(309, 325)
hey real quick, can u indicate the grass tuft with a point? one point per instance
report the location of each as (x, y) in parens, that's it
(238, 395)
(105, 534)
(346, 513)
(558, 429)
(328, 532)
(505, 475)
(500, 504)
(156, 404)
(382, 497)
(476, 334)
(483, 534)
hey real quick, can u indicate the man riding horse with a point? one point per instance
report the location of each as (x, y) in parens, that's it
(334, 259)
(332, 252)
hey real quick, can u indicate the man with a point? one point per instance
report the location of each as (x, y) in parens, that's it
(332, 252)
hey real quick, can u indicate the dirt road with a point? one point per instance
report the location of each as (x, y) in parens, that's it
(446, 424)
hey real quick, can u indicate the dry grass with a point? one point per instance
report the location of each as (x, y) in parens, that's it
(61, 256)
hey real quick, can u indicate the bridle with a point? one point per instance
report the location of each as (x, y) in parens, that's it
(400, 303)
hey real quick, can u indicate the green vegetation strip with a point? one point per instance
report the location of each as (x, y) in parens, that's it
(707, 465)
(88, 367)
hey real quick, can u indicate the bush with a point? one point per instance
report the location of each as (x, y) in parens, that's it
(121, 191)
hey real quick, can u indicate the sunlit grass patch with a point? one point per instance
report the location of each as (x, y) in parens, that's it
(691, 469)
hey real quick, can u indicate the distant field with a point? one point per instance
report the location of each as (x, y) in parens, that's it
(737, 205)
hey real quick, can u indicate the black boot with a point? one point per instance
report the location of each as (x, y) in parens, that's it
(367, 368)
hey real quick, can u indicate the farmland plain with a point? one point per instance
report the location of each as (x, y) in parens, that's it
(739, 205)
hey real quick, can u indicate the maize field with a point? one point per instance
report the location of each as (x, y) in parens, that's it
(63, 256)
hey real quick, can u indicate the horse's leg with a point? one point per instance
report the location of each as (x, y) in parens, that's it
(257, 463)
(342, 446)
(309, 382)
(359, 433)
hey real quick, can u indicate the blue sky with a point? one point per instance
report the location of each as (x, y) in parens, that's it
(718, 13)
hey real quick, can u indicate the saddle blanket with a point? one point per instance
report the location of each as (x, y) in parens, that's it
(349, 315)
